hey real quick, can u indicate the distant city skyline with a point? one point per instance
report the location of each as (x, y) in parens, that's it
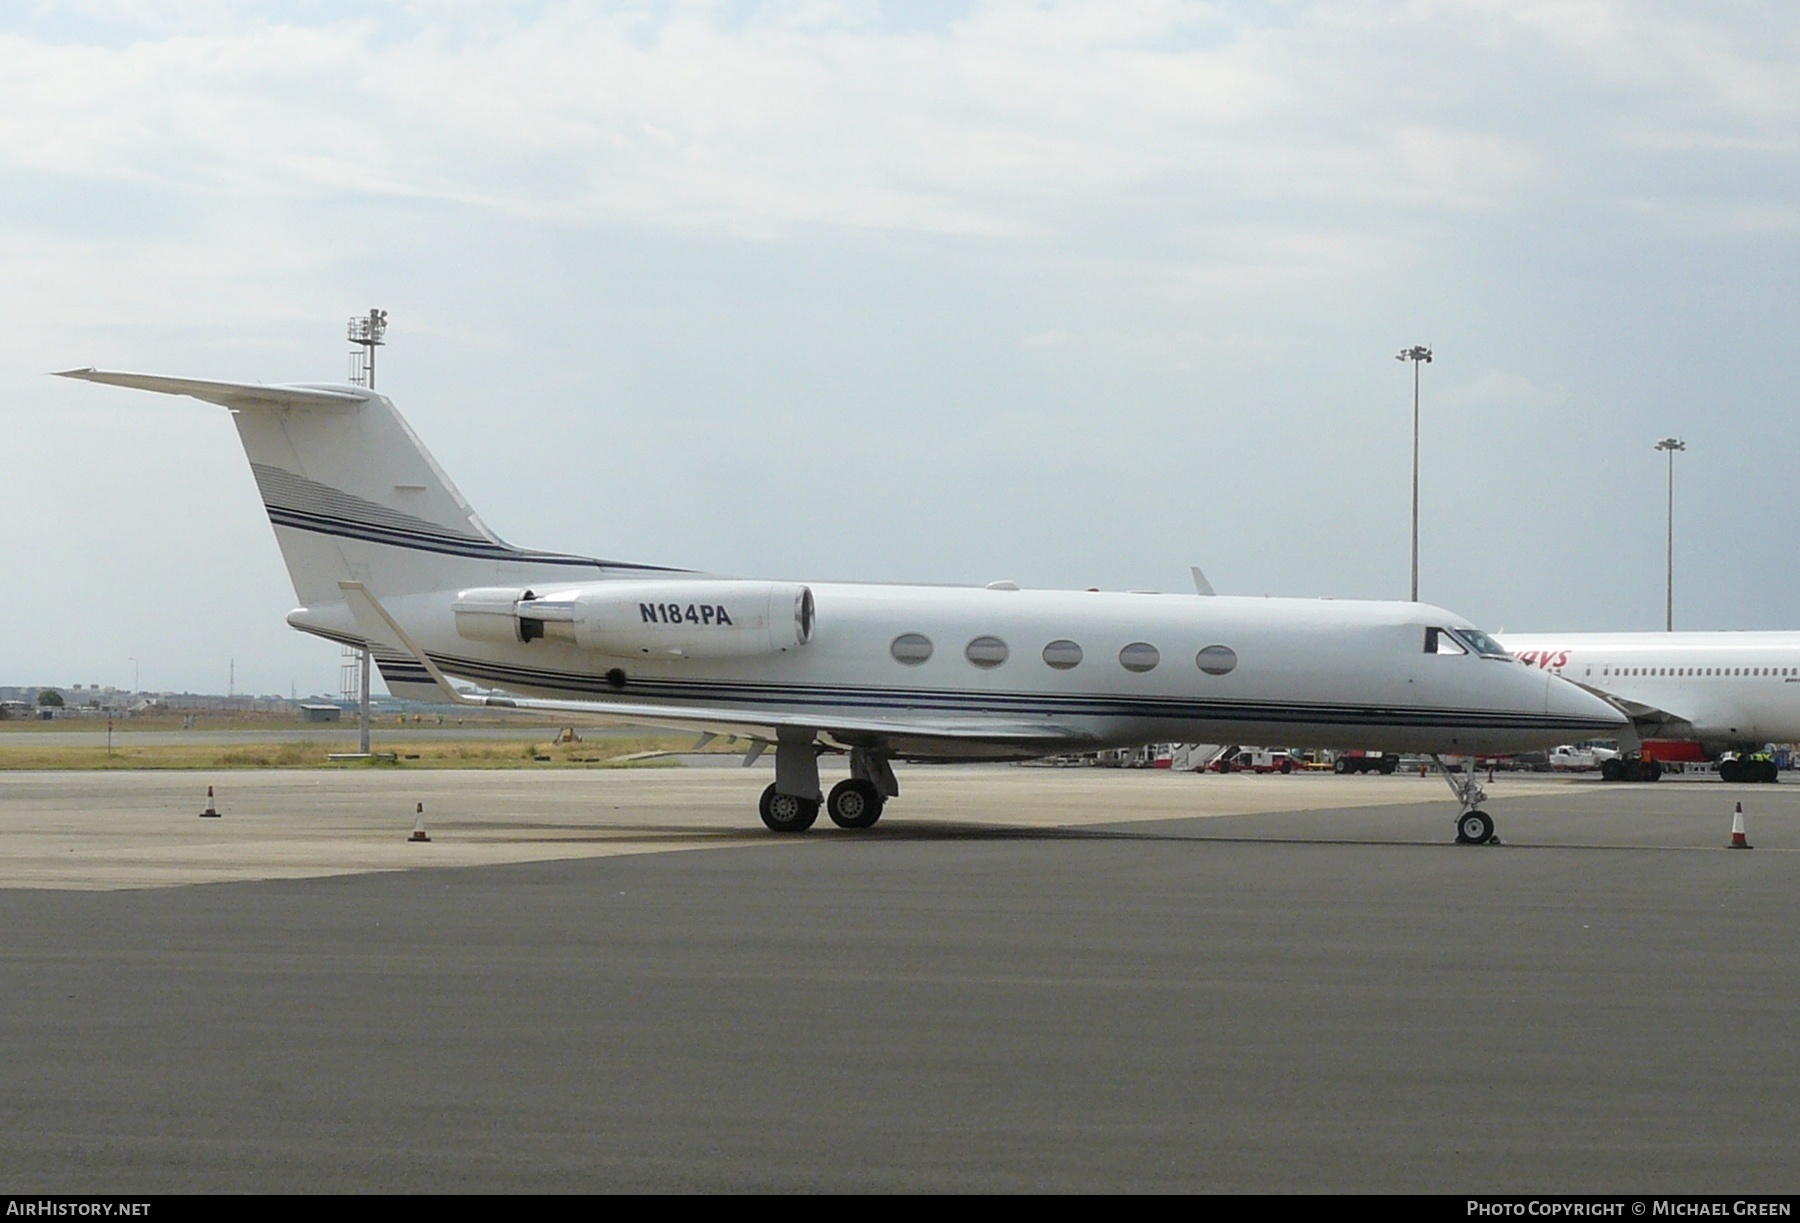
(1069, 294)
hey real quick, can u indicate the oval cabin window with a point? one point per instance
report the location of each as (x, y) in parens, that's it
(1217, 660)
(911, 648)
(986, 651)
(1139, 656)
(1063, 655)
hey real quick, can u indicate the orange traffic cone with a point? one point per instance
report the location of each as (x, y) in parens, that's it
(1738, 839)
(419, 826)
(211, 812)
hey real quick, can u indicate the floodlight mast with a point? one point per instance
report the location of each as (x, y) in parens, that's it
(1671, 444)
(366, 334)
(1417, 354)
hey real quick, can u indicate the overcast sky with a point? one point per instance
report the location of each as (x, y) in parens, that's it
(1072, 294)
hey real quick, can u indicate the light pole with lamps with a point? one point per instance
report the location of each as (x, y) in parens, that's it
(1671, 445)
(1417, 354)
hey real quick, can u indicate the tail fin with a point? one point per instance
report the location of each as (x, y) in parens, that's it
(354, 496)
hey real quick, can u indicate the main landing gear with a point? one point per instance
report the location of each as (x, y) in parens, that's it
(1473, 825)
(792, 802)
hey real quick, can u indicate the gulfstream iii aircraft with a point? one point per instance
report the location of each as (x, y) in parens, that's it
(385, 553)
(1690, 696)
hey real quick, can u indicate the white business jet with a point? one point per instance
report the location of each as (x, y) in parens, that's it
(385, 553)
(1692, 697)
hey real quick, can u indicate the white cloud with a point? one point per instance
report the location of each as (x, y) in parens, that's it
(1066, 291)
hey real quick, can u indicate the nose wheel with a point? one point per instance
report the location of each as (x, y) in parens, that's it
(1474, 828)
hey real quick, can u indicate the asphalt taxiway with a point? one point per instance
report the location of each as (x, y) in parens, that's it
(1023, 978)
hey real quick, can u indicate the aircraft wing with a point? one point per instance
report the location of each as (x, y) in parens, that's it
(228, 394)
(1648, 721)
(377, 622)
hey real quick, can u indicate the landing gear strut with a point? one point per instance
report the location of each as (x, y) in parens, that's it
(1473, 825)
(791, 803)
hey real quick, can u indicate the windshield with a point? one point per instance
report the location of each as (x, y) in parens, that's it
(1481, 643)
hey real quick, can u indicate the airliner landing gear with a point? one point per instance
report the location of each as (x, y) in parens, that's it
(854, 803)
(1630, 768)
(1473, 826)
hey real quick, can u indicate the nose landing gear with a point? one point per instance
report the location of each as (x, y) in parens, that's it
(1473, 825)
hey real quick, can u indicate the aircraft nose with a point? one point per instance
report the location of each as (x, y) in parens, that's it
(1563, 699)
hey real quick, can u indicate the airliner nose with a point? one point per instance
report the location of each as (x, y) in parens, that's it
(1563, 699)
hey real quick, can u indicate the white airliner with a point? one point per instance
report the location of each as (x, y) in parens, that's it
(384, 552)
(1690, 696)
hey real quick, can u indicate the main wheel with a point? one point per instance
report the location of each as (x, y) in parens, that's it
(1652, 770)
(1731, 771)
(1474, 828)
(854, 804)
(1387, 766)
(786, 812)
(1612, 769)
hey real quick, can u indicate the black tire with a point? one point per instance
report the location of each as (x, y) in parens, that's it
(786, 812)
(854, 804)
(1731, 771)
(1287, 766)
(1766, 772)
(1612, 770)
(1341, 766)
(1474, 828)
(1651, 770)
(1388, 766)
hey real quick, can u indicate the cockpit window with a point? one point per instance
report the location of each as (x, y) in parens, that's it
(1442, 641)
(1481, 643)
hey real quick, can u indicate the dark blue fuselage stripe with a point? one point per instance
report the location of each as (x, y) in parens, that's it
(916, 701)
(447, 545)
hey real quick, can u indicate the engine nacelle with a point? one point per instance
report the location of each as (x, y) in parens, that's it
(703, 618)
